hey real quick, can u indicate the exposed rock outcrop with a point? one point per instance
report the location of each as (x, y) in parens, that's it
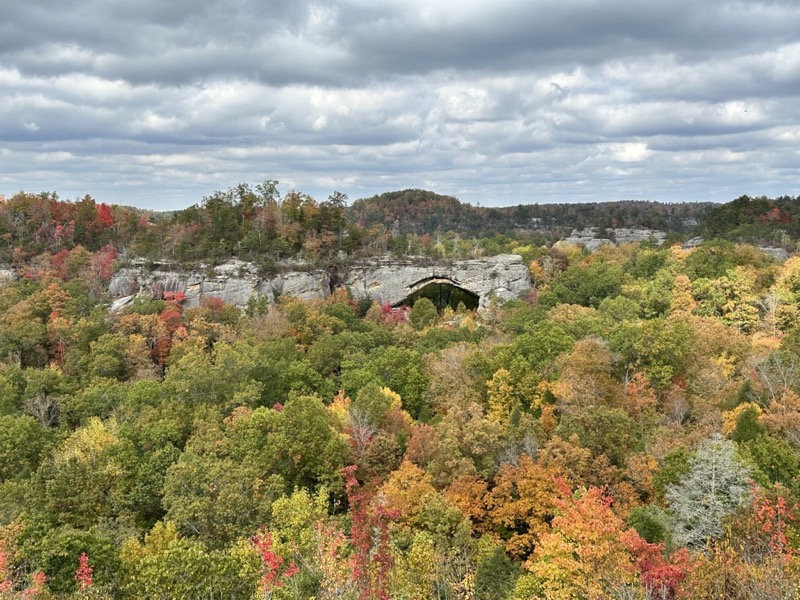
(386, 280)
(7, 274)
(392, 280)
(588, 237)
(234, 282)
(775, 252)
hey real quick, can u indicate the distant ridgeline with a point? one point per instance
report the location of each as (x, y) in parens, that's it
(259, 225)
(759, 220)
(420, 212)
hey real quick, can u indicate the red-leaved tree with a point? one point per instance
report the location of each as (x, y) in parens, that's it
(83, 575)
(372, 557)
(274, 571)
(6, 583)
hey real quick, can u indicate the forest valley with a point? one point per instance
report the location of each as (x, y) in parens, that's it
(630, 429)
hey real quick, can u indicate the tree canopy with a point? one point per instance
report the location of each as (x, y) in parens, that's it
(630, 429)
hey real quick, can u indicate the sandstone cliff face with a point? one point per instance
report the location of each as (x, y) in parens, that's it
(235, 282)
(588, 237)
(391, 281)
(386, 280)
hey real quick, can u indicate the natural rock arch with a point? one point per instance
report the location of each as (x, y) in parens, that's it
(442, 291)
(391, 280)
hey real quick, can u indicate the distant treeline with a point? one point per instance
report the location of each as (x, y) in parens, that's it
(420, 211)
(257, 223)
(759, 220)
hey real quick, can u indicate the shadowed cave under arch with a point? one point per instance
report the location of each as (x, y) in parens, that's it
(443, 292)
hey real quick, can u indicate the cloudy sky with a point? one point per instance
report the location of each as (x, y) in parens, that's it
(156, 103)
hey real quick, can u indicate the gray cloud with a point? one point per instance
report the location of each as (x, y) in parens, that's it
(158, 103)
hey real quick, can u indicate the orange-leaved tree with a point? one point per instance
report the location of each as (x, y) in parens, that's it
(589, 553)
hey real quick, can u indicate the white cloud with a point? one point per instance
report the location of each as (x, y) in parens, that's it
(786, 63)
(628, 152)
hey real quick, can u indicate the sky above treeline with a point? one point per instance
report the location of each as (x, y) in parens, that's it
(157, 103)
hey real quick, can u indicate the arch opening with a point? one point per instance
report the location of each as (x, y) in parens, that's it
(442, 293)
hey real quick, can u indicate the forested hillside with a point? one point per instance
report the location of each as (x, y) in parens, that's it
(759, 220)
(420, 211)
(629, 430)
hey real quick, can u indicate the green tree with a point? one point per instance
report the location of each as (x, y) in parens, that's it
(495, 574)
(588, 285)
(423, 313)
(400, 369)
(56, 553)
(651, 522)
(747, 426)
(306, 448)
(711, 260)
(167, 566)
(218, 499)
(23, 443)
(674, 466)
(42, 394)
(107, 358)
(76, 484)
(774, 461)
(660, 347)
(539, 348)
(603, 430)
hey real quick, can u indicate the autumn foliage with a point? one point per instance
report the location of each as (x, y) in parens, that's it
(83, 575)
(630, 430)
(274, 572)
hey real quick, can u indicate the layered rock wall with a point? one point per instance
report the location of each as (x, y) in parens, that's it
(392, 281)
(386, 280)
(588, 237)
(234, 283)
